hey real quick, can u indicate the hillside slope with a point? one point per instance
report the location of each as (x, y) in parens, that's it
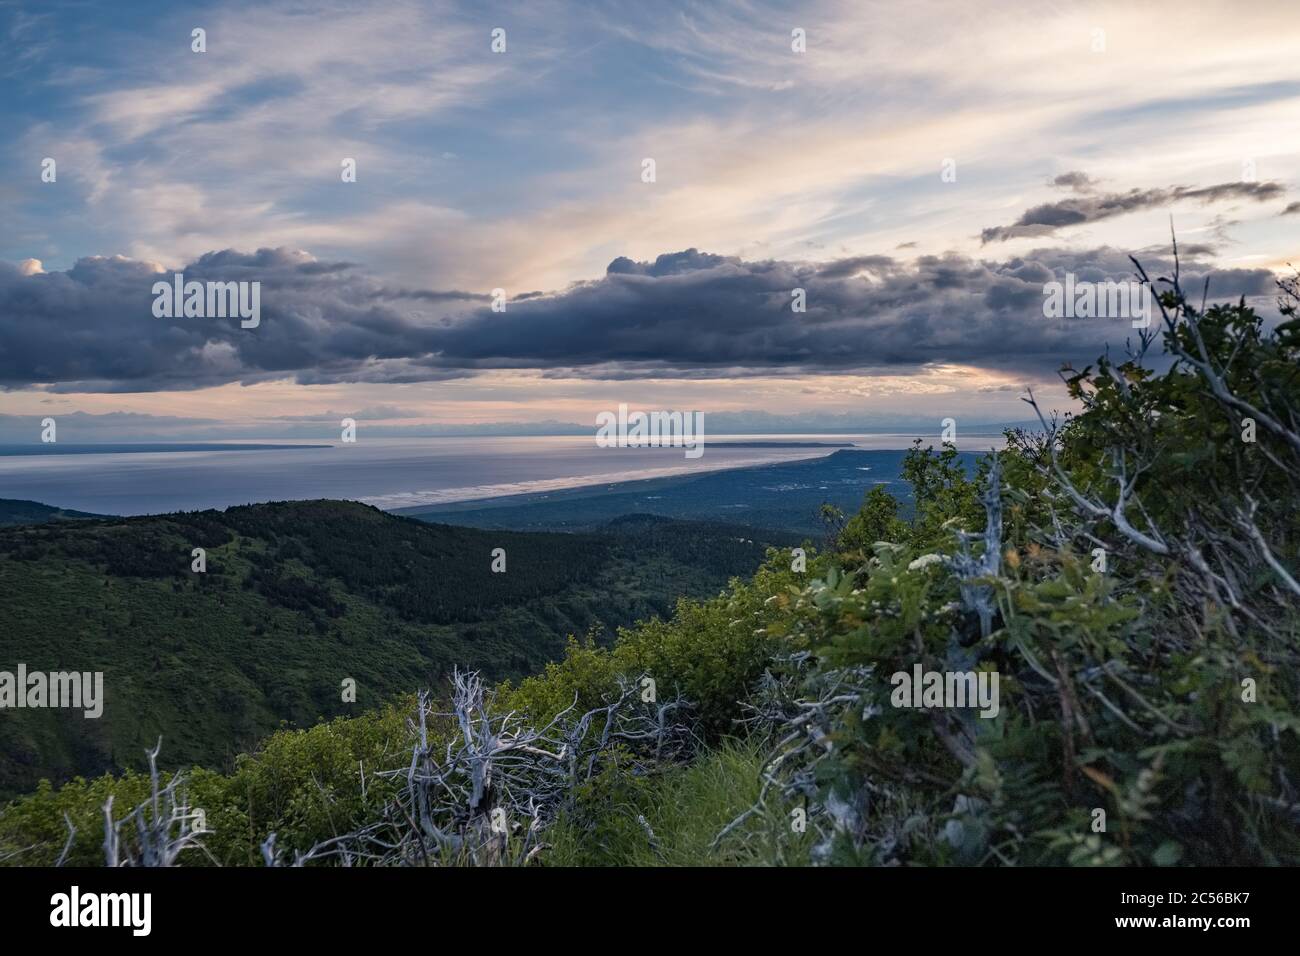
(296, 598)
(16, 511)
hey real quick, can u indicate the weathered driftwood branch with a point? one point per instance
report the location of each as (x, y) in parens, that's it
(972, 572)
(162, 824)
(485, 792)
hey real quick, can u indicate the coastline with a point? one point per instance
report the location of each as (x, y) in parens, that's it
(403, 477)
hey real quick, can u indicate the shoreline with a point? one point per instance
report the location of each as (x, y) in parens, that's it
(559, 489)
(410, 494)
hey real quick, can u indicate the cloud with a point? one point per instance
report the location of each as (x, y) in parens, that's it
(687, 314)
(92, 328)
(1186, 251)
(1292, 209)
(1076, 180)
(77, 428)
(1049, 217)
(669, 264)
(371, 413)
(842, 268)
(549, 136)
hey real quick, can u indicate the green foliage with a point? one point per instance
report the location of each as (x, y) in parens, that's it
(673, 820)
(1123, 689)
(877, 520)
(307, 785)
(709, 652)
(942, 492)
(297, 597)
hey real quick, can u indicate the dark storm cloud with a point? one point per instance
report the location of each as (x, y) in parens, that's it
(431, 295)
(1076, 180)
(1190, 250)
(686, 314)
(92, 327)
(1046, 219)
(668, 264)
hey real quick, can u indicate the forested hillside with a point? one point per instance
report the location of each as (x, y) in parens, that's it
(14, 511)
(297, 597)
(1126, 577)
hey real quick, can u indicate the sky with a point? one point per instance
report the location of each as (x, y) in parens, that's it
(920, 170)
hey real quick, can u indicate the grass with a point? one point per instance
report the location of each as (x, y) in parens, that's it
(684, 809)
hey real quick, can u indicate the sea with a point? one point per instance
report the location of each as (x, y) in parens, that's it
(389, 473)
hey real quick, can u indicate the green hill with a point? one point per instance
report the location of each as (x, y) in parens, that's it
(296, 598)
(15, 511)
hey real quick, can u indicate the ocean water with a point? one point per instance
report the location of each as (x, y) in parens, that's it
(385, 472)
